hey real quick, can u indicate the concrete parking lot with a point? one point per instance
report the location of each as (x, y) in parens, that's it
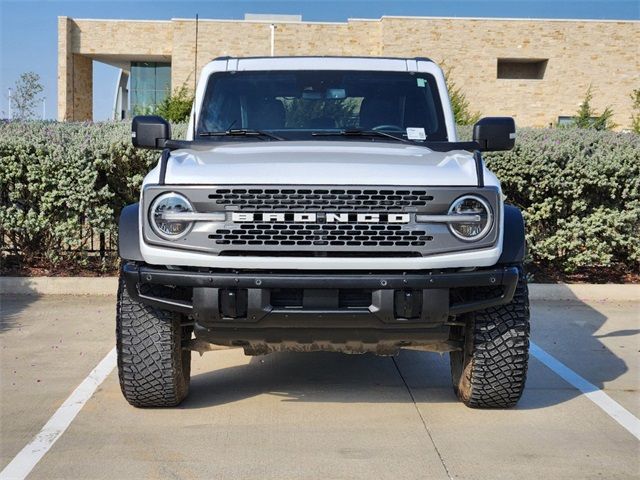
(321, 415)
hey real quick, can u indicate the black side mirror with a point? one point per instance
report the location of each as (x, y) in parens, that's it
(150, 131)
(494, 134)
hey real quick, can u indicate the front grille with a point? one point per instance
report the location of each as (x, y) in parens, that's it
(317, 199)
(321, 235)
(267, 220)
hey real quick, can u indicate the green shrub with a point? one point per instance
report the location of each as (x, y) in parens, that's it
(580, 194)
(62, 185)
(176, 107)
(579, 190)
(635, 116)
(586, 117)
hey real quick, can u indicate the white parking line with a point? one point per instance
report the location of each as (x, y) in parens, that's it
(24, 462)
(612, 408)
(32, 453)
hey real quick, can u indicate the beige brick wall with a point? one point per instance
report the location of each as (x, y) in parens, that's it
(220, 38)
(65, 83)
(214, 39)
(116, 37)
(82, 41)
(580, 53)
(82, 87)
(75, 77)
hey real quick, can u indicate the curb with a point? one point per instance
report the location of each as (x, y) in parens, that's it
(608, 292)
(59, 285)
(109, 286)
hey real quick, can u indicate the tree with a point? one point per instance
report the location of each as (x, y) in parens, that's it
(25, 96)
(176, 107)
(586, 117)
(459, 103)
(635, 117)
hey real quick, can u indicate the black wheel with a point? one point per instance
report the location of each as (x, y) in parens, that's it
(153, 367)
(491, 370)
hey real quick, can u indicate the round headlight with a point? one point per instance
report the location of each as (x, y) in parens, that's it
(170, 203)
(479, 218)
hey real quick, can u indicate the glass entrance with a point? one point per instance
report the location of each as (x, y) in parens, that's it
(150, 84)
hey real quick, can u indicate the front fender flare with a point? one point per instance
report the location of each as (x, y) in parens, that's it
(513, 241)
(128, 233)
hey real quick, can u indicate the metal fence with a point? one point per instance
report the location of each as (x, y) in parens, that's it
(93, 244)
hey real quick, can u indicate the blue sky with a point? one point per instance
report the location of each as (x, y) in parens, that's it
(28, 29)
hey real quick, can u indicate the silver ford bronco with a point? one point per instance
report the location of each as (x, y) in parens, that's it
(322, 203)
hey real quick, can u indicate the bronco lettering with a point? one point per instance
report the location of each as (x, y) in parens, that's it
(242, 217)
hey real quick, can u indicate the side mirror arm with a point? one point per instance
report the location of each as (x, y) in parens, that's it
(164, 159)
(477, 156)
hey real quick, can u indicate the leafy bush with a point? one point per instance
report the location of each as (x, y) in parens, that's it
(586, 117)
(580, 194)
(60, 183)
(635, 116)
(64, 184)
(176, 107)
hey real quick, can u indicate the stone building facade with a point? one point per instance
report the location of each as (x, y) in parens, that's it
(534, 70)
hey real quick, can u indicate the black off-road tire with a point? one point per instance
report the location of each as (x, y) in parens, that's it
(153, 367)
(492, 369)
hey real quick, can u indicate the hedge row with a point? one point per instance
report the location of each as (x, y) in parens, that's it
(62, 186)
(63, 183)
(579, 191)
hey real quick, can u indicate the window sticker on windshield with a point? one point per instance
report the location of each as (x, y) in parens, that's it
(421, 82)
(415, 133)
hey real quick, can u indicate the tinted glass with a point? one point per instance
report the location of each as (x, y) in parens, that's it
(150, 84)
(296, 103)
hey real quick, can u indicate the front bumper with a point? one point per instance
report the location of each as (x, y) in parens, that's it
(354, 313)
(248, 299)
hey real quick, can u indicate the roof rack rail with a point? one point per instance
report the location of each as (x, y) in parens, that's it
(228, 57)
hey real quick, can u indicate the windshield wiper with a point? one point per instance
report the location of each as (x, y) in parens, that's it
(241, 132)
(355, 132)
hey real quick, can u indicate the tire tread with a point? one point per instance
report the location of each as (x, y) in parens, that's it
(152, 368)
(495, 374)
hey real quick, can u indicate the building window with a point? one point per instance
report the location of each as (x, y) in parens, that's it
(566, 121)
(150, 84)
(569, 121)
(522, 68)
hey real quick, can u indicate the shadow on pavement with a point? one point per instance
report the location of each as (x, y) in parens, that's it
(11, 305)
(303, 377)
(565, 329)
(620, 333)
(568, 330)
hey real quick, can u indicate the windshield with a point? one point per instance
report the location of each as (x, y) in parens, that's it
(298, 104)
